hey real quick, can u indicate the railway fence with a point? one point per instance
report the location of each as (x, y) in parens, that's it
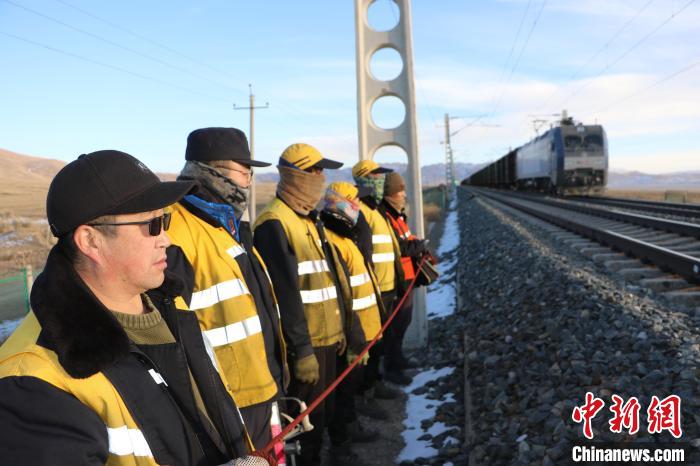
(14, 299)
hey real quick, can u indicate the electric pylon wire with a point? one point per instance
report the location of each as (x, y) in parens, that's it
(113, 67)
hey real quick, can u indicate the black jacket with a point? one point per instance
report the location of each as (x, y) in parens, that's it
(44, 425)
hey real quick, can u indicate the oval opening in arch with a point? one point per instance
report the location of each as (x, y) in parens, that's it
(392, 156)
(383, 15)
(386, 64)
(388, 112)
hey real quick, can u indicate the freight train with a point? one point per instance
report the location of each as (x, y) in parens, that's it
(570, 158)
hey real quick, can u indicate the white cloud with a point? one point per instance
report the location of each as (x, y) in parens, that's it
(668, 110)
(662, 161)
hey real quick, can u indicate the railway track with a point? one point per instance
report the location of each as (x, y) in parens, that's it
(690, 211)
(671, 246)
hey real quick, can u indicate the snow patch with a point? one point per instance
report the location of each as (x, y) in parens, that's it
(450, 235)
(8, 326)
(420, 408)
(11, 239)
(441, 299)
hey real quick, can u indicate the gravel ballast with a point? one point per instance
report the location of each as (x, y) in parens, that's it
(543, 327)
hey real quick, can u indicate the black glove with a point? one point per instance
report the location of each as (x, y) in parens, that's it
(418, 247)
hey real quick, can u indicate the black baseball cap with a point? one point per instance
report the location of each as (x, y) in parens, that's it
(107, 182)
(209, 144)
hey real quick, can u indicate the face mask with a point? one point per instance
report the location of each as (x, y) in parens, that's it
(373, 182)
(339, 205)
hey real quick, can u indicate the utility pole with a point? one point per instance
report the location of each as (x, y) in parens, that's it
(251, 142)
(449, 159)
(450, 171)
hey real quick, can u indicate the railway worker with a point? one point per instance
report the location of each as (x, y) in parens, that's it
(341, 210)
(290, 237)
(385, 260)
(96, 374)
(393, 206)
(226, 282)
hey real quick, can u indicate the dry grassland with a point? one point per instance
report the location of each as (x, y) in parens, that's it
(264, 193)
(24, 235)
(690, 196)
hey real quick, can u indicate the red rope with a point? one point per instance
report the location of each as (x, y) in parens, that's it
(347, 370)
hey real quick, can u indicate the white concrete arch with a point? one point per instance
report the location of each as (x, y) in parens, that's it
(371, 137)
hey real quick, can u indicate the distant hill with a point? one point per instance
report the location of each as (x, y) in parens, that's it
(638, 180)
(24, 182)
(431, 175)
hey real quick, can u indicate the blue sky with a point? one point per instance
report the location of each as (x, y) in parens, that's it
(497, 62)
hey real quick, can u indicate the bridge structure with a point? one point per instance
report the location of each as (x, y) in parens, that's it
(372, 137)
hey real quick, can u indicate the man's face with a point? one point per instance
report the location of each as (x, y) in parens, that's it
(240, 174)
(132, 257)
(398, 198)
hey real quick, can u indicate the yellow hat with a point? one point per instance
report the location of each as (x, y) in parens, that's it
(344, 189)
(304, 156)
(366, 167)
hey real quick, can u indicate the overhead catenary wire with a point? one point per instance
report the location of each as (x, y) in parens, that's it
(606, 45)
(517, 62)
(645, 89)
(113, 67)
(520, 55)
(510, 54)
(625, 53)
(120, 46)
(293, 111)
(418, 86)
(150, 41)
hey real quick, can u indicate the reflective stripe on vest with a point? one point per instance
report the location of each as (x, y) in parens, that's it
(235, 251)
(124, 441)
(383, 257)
(318, 296)
(384, 248)
(381, 239)
(361, 279)
(307, 267)
(217, 293)
(234, 332)
(157, 378)
(364, 303)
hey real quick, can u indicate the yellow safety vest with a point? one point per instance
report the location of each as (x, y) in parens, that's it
(224, 306)
(362, 283)
(20, 357)
(385, 248)
(316, 287)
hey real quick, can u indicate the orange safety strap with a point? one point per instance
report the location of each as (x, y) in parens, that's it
(344, 374)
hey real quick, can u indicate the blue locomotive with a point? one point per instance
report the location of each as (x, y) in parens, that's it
(570, 158)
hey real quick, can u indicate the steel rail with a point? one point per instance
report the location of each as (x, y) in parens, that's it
(671, 226)
(668, 208)
(681, 264)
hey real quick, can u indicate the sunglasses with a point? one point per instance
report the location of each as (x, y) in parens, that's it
(155, 225)
(248, 174)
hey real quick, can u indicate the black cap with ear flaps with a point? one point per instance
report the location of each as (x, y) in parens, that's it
(107, 182)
